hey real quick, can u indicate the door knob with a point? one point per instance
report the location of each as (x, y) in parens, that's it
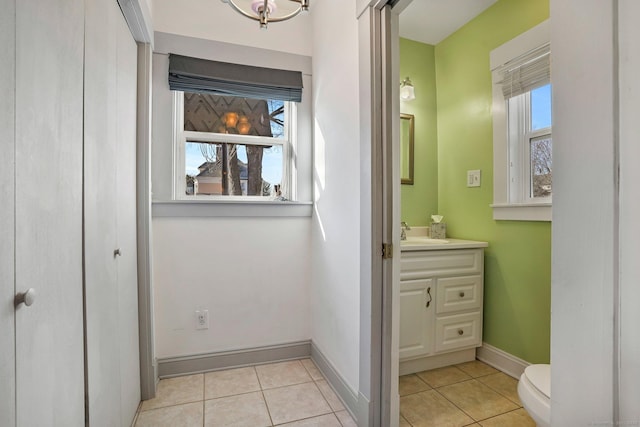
(27, 298)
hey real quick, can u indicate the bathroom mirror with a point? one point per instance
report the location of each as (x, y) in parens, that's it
(406, 148)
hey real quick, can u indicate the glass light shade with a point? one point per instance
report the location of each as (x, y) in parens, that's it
(230, 119)
(407, 92)
(244, 126)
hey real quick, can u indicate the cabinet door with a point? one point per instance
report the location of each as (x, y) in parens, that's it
(416, 317)
(48, 212)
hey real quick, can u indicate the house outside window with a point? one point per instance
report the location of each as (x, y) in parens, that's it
(232, 148)
(522, 126)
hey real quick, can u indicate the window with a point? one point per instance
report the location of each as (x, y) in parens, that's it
(530, 155)
(522, 93)
(233, 130)
(232, 148)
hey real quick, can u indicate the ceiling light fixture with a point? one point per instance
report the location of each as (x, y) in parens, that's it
(407, 93)
(265, 11)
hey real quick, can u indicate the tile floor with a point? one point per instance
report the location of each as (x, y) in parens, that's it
(469, 394)
(290, 393)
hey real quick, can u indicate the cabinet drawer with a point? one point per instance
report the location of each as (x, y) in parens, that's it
(420, 264)
(458, 331)
(459, 294)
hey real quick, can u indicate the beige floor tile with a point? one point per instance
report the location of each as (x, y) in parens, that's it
(244, 410)
(332, 398)
(477, 400)
(404, 422)
(175, 391)
(518, 418)
(230, 382)
(187, 415)
(282, 374)
(295, 402)
(431, 409)
(503, 384)
(312, 369)
(409, 384)
(328, 420)
(476, 368)
(345, 419)
(443, 376)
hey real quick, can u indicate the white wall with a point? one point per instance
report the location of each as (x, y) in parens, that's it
(215, 20)
(584, 217)
(336, 221)
(252, 274)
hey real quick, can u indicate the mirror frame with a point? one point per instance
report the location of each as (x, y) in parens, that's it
(410, 117)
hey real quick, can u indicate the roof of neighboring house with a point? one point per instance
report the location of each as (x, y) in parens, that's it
(214, 170)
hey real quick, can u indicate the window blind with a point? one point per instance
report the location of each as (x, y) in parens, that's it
(222, 78)
(526, 72)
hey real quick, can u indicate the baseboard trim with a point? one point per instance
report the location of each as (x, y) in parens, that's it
(438, 361)
(501, 360)
(176, 366)
(339, 385)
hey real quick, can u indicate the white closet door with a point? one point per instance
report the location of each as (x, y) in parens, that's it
(48, 212)
(7, 224)
(127, 57)
(100, 198)
(113, 372)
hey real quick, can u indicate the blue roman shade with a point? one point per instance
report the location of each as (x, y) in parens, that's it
(222, 78)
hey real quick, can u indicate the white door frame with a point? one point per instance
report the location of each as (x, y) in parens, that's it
(380, 210)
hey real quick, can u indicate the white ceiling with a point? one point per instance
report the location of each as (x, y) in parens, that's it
(431, 21)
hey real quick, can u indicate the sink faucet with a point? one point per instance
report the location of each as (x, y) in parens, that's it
(403, 233)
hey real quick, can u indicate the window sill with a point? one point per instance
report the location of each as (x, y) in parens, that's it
(222, 208)
(522, 212)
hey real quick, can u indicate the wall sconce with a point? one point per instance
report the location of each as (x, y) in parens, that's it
(407, 93)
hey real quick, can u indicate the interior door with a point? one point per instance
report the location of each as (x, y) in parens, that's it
(113, 372)
(126, 58)
(100, 198)
(48, 211)
(7, 225)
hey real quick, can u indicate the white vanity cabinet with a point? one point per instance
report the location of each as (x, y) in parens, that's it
(441, 294)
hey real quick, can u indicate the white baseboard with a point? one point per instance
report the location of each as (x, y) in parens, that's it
(501, 360)
(337, 382)
(177, 366)
(438, 361)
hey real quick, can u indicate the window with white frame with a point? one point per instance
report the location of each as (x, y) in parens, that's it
(233, 148)
(234, 128)
(523, 162)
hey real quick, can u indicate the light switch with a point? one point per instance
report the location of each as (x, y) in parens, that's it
(473, 178)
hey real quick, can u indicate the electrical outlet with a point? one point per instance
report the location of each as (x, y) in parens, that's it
(202, 319)
(473, 178)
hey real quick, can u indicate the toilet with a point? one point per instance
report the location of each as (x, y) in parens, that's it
(534, 390)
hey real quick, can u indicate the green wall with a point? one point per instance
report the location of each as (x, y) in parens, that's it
(518, 260)
(420, 200)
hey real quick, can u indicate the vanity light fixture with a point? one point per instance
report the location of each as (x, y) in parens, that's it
(407, 93)
(265, 11)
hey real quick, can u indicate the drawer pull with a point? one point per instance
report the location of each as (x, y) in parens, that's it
(461, 294)
(429, 295)
(460, 332)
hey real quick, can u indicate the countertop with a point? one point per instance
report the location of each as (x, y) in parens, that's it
(417, 240)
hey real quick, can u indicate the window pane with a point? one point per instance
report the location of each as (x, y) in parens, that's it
(541, 166)
(541, 107)
(229, 114)
(248, 170)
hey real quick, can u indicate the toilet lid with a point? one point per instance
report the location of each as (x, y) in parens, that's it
(540, 377)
